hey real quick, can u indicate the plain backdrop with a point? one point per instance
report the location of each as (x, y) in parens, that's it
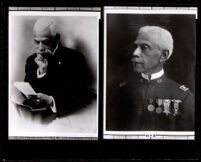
(122, 30)
(77, 32)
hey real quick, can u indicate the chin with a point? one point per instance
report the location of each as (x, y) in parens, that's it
(138, 69)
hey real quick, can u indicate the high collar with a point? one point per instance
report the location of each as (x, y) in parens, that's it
(153, 76)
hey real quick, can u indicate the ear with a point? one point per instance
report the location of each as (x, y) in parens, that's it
(164, 55)
(57, 37)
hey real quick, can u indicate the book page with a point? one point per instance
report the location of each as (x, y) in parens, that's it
(25, 88)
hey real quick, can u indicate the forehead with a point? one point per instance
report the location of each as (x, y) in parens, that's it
(42, 38)
(147, 38)
(42, 32)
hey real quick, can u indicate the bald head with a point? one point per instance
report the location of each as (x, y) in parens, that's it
(154, 45)
(46, 36)
(160, 36)
(46, 27)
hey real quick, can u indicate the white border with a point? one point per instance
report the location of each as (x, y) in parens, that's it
(187, 133)
(152, 11)
(137, 134)
(55, 13)
(60, 135)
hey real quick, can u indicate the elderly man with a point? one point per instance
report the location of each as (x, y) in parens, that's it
(58, 74)
(151, 101)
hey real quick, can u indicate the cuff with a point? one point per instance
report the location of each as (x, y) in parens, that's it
(53, 105)
(40, 75)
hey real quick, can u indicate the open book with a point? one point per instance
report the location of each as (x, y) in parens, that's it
(25, 88)
(21, 100)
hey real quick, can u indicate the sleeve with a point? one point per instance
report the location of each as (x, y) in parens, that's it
(40, 75)
(53, 106)
(114, 114)
(185, 121)
(31, 74)
(30, 70)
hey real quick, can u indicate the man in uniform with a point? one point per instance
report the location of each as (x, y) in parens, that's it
(150, 101)
(57, 74)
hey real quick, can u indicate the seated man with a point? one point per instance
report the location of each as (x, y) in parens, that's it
(150, 101)
(58, 74)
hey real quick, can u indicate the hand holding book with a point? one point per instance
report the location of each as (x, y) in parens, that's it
(33, 99)
(41, 99)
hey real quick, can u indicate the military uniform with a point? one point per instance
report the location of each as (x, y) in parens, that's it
(152, 105)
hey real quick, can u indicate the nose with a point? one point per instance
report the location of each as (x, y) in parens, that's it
(136, 52)
(41, 47)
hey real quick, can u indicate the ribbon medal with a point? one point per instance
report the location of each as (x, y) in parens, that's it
(166, 104)
(159, 108)
(176, 106)
(150, 106)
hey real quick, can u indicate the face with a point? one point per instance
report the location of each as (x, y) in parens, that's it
(146, 54)
(44, 42)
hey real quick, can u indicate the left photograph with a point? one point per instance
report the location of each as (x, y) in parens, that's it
(53, 74)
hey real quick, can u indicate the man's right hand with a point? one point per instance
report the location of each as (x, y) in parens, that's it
(42, 64)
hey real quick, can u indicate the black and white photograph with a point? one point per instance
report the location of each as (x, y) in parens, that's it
(53, 74)
(149, 73)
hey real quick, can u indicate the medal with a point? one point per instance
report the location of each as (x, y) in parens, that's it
(176, 106)
(159, 108)
(166, 104)
(150, 106)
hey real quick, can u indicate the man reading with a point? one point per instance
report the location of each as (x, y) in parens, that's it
(58, 74)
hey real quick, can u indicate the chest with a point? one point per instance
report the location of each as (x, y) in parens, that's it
(153, 99)
(59, 70)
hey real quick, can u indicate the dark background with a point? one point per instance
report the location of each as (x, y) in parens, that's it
(122, 31)
(101, 150)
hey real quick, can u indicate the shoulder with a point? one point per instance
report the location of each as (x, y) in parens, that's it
(127, 83)
(70, 52)
(31, 57)
(123, 86)
(178, 89)
(177, 86)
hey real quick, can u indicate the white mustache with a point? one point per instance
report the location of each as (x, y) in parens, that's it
(44, 52)
(135, 60)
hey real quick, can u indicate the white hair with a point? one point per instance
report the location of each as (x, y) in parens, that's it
(46, 24)
(163, 37)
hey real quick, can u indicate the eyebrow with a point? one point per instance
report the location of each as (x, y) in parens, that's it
(41, 39)
(142, 42)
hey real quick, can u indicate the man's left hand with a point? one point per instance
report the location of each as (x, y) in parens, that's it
(41, 99)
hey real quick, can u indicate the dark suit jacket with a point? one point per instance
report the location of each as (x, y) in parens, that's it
(127, 108)
(67, 78)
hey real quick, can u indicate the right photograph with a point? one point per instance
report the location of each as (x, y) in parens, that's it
(149, 73)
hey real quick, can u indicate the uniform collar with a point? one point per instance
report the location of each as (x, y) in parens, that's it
(153, 76)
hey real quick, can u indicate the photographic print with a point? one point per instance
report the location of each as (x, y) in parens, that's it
(53, 74)
(149, 69)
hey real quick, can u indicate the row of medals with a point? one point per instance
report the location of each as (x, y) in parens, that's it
(163, 106)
